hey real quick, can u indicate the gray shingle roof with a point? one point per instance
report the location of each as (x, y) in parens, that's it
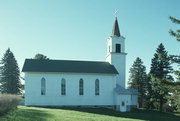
(36, 65)
(121, 90)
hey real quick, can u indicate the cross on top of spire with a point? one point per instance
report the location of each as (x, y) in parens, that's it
(116, 31)
(116, 12)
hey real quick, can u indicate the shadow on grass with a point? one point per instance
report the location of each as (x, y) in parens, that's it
(26, 115)
(149, 115)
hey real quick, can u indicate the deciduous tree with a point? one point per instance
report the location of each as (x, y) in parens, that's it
(40, 56)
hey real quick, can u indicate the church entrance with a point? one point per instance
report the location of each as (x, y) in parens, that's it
(123, 106)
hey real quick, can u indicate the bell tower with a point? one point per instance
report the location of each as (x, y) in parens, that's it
(116, 53)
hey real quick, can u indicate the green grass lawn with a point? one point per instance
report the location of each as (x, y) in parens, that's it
(85, 114)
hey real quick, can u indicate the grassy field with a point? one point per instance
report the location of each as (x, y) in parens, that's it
(85, 114)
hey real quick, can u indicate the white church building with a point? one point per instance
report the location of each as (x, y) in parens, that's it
(81, 83)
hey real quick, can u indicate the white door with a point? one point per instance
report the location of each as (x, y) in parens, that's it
(123, 106)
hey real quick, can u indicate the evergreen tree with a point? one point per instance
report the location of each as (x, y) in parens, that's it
(9, 74)
(160, 73)
(173, 33)
(150, 100)
(137, 79)
(175, 58)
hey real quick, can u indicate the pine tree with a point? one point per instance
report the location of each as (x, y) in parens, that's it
(175, 58)
(9, 74)
(173, 33)
(137, 79)
(150, 100)
(160, 74)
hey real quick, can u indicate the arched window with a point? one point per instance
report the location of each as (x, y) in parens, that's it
(63, 87)
(43, 86)
(81, 87)
(97, 87)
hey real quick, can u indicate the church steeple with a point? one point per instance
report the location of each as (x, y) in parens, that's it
(116, 31)
(116, 53)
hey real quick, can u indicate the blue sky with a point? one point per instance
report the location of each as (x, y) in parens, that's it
(78, 29)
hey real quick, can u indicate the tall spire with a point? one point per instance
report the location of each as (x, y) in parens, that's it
(116, 30)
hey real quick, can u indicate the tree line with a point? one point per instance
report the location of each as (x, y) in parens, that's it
(158, 89)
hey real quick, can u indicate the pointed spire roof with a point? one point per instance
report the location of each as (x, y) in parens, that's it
(116, 30)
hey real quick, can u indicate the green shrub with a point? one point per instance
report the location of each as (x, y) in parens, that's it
(8, 102)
